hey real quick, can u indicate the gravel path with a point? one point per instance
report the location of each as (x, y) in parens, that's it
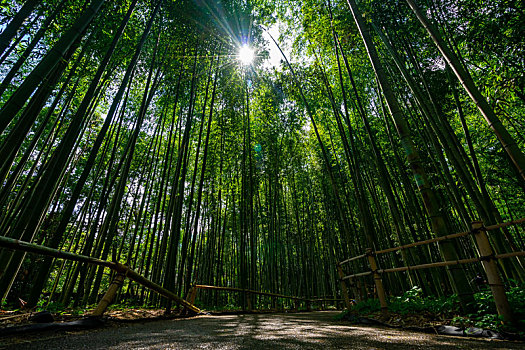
(314, 330)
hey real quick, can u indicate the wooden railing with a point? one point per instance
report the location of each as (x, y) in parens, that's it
(247, 292)
(122, 271)
(487, 257)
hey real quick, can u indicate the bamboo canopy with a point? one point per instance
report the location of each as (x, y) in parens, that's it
(180, 144)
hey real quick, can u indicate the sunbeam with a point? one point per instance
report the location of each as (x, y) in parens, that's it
(246, 55)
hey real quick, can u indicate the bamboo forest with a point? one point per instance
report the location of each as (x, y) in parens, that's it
(363, 157)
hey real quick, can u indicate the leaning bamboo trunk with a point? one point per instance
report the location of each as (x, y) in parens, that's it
(190, 266)
(109, 228)
(39, 34)
(342, 214)
(481, 199)
(458, 277)
(40, 197)
(46, 65)
(80, 115)
(189, 215)
(507, 141)
(10, 30)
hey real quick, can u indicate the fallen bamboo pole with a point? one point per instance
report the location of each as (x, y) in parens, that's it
(15, 244)
(132, 275)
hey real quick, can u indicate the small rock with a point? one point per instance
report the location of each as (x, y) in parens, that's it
(42, 317)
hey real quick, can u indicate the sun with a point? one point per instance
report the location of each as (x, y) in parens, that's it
(246, 55)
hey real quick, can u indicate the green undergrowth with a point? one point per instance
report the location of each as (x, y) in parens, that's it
(130, 305)
(447, 309)
(58, 308)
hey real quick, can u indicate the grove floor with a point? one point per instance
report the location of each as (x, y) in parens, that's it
(312, 330)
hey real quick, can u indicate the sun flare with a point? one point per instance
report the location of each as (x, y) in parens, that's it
(246, 55)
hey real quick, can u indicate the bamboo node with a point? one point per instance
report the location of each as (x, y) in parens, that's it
(477, 227)
(487, 257)
(495, 285)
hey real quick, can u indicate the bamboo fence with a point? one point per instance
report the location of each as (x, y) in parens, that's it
(486, 256)
(193, 292)
(15, 244)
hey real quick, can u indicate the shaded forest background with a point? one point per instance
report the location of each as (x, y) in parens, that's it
(130, 132)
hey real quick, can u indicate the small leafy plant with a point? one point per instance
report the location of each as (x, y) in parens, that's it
(449, 308)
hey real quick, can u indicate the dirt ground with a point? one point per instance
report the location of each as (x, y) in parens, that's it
(313, 330)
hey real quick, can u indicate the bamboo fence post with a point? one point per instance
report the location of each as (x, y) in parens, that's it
(377, 279)
(110, 295)
(249, 300)
(360, 295)
(343, 286)
(354, 287)
(192, 295)
(491, 269)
